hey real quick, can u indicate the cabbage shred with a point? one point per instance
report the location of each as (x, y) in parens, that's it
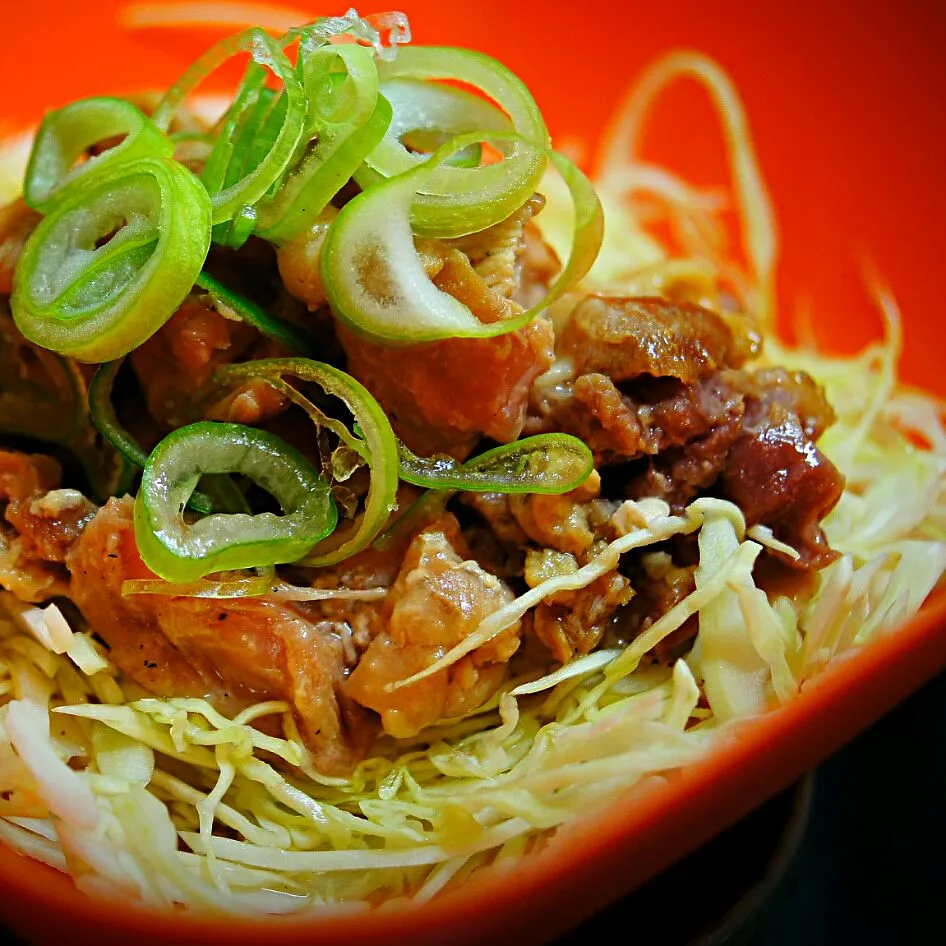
(114, 778)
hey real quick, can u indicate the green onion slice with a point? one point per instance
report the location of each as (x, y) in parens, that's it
(112, 261)
(545, 463)
(240, 586)
(264, 583)
(376, 282)
(456, 200)
(67, 134)
(105, 418)
(346, 120)
(374, 440)
(261, 130)
(179, 551)
(225, 495)
(384, 32)
(291, 337)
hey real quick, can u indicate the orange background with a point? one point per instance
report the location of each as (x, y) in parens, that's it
(847, 101)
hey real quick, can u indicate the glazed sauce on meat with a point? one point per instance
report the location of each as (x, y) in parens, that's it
(662, 390)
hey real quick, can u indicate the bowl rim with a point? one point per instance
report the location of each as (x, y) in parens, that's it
(662, 818)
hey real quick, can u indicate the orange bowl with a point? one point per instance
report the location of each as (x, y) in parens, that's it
(843, 100)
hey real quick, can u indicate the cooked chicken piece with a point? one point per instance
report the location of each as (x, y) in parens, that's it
(357, 623)
(453, 272)
(443, 396)
(252, 402)
(235, 651)
(494, 508)
(175, 364)
(17, 222)
(439, 597)
(299, 261)
(538, 266)
(627, 337)
(239, 651)
(497, 253)
(572, 623)
(643, 378)
(572, 524)
(558, 522)
(42, 520)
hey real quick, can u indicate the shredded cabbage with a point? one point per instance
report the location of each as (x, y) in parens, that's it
(103, 781)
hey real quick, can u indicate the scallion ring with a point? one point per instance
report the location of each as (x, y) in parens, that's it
(458, 200)
(375, 441)
(375, 280)
(179, 551)
(347, 119)
(112, 261)
(225, 495)
(545, 463)
(68, 133)
(260, 132)
(106, 420)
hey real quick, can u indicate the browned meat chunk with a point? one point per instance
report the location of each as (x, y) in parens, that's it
(604, 418)
(298, 261)
(646, 418)
(17, 222)
(775, 473)
(175, 364)
(43, 522)
(564, 523)
(627, 337)
(662, 382)
(439, 598)
(660, 585)
(443, 396)
(646, 379)
(236, 652)
(681, 473)
(695, 430)
(572, 623)
(775, 392)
